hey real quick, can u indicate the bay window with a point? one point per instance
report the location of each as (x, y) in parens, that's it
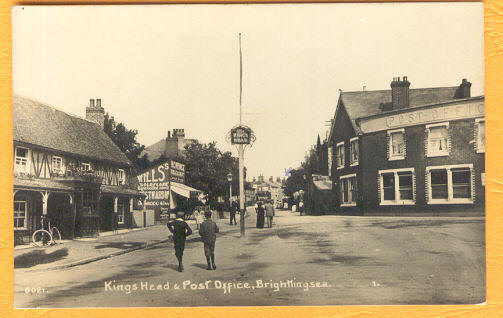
(450, 184)
(397, 187)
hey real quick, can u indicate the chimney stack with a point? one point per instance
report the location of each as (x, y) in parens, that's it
(463, 90)
(400, 93)
(95, 112)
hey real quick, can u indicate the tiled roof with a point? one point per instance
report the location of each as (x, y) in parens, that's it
(45, 126)
(367, 103)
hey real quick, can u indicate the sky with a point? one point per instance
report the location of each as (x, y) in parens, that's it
(157, 68)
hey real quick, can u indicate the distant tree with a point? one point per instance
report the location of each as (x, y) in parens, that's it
(125, 139)
(295, 182)
(206, 169)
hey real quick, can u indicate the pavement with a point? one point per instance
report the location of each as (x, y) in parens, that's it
(77, 252)
(302, 260)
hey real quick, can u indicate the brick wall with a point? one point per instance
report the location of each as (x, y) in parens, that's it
(373, 157)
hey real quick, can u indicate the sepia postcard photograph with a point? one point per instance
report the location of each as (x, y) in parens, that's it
(248, 155)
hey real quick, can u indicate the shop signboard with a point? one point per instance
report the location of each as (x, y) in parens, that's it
(240, 135)
(155, 183)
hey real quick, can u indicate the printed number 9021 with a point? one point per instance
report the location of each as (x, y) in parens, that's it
(35, 290)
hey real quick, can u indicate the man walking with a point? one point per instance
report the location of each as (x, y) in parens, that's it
(180, 230)
(233, 212)
(269, 212)
(208, 230)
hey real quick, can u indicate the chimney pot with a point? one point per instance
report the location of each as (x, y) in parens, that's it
(91, 103)
(98, 102)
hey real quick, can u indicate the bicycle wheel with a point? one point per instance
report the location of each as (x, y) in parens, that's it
(56, 235)
(41, 238)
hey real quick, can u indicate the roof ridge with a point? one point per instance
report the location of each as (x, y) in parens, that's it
(52, 107)
(389, 90)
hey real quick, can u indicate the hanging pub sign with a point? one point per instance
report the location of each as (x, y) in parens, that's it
(240, 135)
(156, 182)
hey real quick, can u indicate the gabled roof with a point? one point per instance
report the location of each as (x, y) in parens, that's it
(367, 103)
(44, 126)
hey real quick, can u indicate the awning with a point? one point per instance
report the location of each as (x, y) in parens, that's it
(184, 190)
(41, 184)
(323, 185)
(109, 189)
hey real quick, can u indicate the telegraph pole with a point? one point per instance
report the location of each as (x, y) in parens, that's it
(241, 149)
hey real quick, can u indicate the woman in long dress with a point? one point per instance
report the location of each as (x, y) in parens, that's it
(260, 215)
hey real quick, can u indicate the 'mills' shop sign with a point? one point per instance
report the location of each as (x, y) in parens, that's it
(156, 182)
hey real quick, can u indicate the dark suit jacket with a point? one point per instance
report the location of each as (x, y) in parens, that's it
(208, 230)
(180, 229)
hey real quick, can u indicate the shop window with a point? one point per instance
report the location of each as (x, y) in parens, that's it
(121, 176)
(20, 212)
(340, 155)
(354, 151)
(396, 144)
(21, 160)
(397, 187)
(450, 184)
(480, 129)
(89, 202)
(349, 191)
(57, 163)
(438, 140)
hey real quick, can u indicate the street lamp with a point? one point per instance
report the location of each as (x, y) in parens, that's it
(229, 178)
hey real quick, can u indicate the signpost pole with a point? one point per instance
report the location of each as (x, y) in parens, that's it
(241, 190)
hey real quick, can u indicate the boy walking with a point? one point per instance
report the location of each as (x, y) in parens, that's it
(180, 230)
(208, 230)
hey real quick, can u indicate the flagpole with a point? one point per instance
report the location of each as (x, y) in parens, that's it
(241, 149)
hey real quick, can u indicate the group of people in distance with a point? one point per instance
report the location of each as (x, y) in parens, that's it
(207, 230)
(263, 211)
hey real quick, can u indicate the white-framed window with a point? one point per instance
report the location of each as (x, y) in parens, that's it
(450, 184)
(396, 144)
(354, 151)
(438, 140)
(120, 211)
(86, 166)
(20, 212)
(121, 176)
(397, 187)
(57, 163)
(349, 190)
(21, 163)
(340, 155)
(480, 135)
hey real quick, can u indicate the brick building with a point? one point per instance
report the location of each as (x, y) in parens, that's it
(408, 151)
(173, 146)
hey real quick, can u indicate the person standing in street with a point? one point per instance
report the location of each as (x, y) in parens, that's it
(233, 212)
(301, 207)
(269, 212)
(208, 231)
(180, 230)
